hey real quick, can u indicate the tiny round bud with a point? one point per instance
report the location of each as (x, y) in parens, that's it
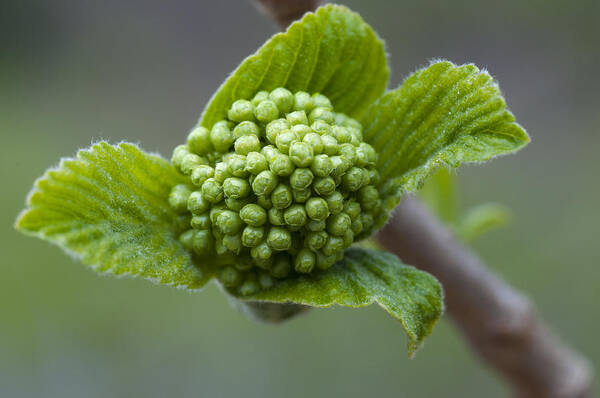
(304, 262)
(212, 191)
(348, 151)
(335, 202)
(314, 141)
(233, 243)
(317, 209)
(186, 239)
(367, 221)
(330, 145)
(243, 263)
(348, 238)
(352, 208)
(230, 277)
(249, 287)
(301, 154)
(252, 236)
(357, 226)
(281, 266)
(334, 245)
(276, 216)
(321, 101)
(178, 197)
(338, 224)
(246, 128)
(321, 127)
(264, 182)
(269, 151)
(241, 110)
(190, 162)
(301, 179)
(324, 186)
(246, 144)
(281, 165)
(178, 154)
(261, 253)
(374, 177)
(284, 140)
(237, 165)
(354, 179)
(201, 174)
(321, 166)
(297, 117)
(283, 98)
(199, 141)
(214, 214)
(255, 163)
(265, 281)
(236, 204)
(279, 239)
(371, 153)
(229, 222)
(264, 201)
(281, 197)
(303, 102)
(201, 221)
(325, 262)
(202, 242)
(295, 215)
(340, 166)
(235, 187)
(222, 172)
(323, 114)
(316, 240)
(341, 134)
(362, 158)
(196, 204)
(266, 111)
(274, 128)
(221, 136)
(259, 97)
(316, 226)
(253, 214)
(302, 195)
(369, 198)
(301, 130)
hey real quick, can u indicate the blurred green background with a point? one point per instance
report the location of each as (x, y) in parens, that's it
(76, 71)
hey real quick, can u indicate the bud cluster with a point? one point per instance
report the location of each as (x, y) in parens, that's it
(284, 183)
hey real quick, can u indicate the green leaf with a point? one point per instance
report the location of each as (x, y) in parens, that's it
(440, 194)
(482, 219)
(364, 277)
(109, 207)
(332, 51)
(441, 115)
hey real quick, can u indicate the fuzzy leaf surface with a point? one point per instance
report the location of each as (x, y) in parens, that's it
(332, 51)
(441, 115)
(109, 207)
(365, 277)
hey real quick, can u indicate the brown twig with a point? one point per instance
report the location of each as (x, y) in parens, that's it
(499, 323)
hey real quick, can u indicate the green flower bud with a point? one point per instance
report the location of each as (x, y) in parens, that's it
(295, 215)
(321, 127)
(303, 102)
(301, 154)
(301, 179)
(338, 224)
(264, 182)
(178, 155)
(334, 245)
(316, 240)
(196, 204)
(202, 242)
(301, 130)
(269, 151)
(265, 281)
(262, 254)
(340, 166)
(354, 179)
(283, 98)
(249, 286)
(201, 174)
(190, 162)
(369, 198)
(221, 136)
(304, 262)
(201, 221)
(330, 145)
(254, 215)
(259, 97)
(178, 197)
(371, 153)
(266, 111)
(230, 277)
(316, 226)
(281, 197)
(233, 243)
(324, 186)
(252, 236)
(281, 165)
(352, 208)
(348, 151)
(362, 157)
(367, 221)
(301, 195)
(321, 101)
(276, 216)
(314, 141)
(325, 262)
(357, 226)
(222, 172)
(374, 177)
(341, 134)
(219, 247)
(348, 238)
(264, 201)
(285, 139)
(229, 222)
(335, 202)
(317, 209)
(321, 166)
(296, 117)
(237, 165)
(199, 141)
(246, 144)
(279, 239)
(246, 128)
(241, 110)
(236, 188)
(281, 266)
(236, 204)
(323, 114)
(243, 263)
(212, 191)
(187, 238)
(214, 214)
(276, 127)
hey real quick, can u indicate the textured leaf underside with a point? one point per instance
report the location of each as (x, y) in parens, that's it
(443, 114)
(364, 277)
(332, 51)
(108, 206)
